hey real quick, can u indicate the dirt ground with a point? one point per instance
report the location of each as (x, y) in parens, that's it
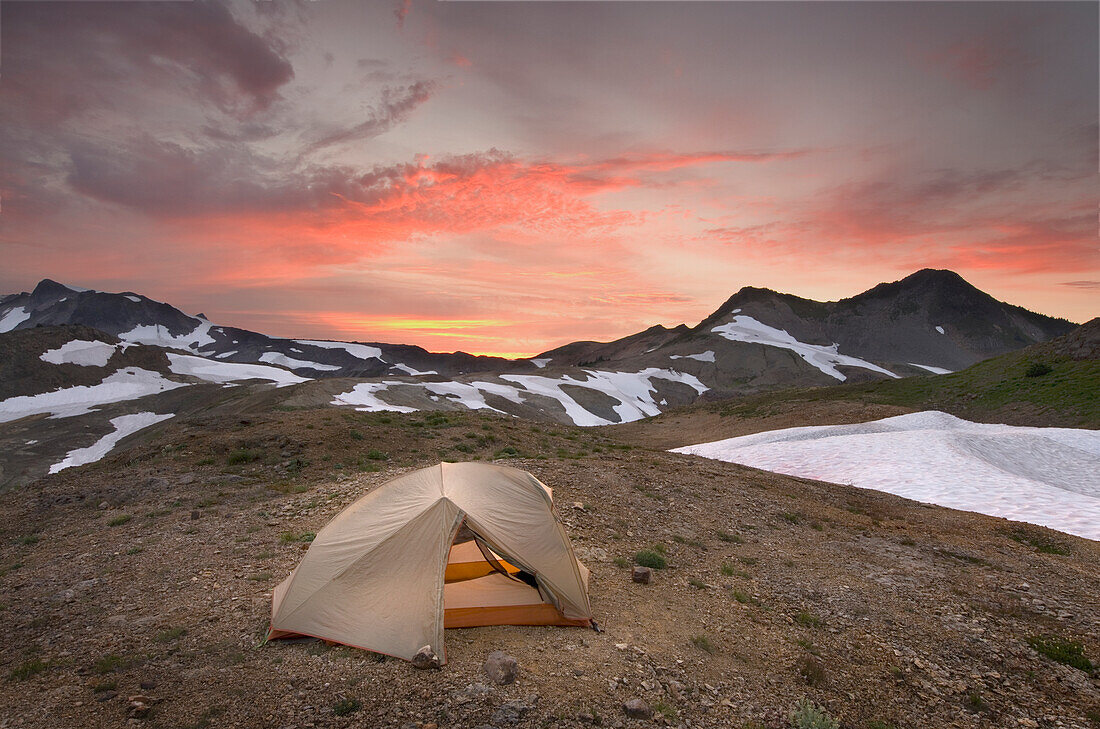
(150, 574)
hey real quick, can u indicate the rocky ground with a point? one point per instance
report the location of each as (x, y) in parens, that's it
(137, 590)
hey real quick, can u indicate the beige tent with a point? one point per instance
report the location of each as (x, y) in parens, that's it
(450, 546)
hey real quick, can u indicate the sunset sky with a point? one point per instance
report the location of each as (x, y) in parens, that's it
(505, 177)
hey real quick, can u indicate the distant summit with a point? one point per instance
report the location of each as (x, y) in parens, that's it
(932, 321)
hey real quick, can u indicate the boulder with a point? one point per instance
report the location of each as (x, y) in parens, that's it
(641, 575)
(426, 658)
(501, 668)
(637, 709)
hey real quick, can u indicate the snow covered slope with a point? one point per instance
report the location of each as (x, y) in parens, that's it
(1047, 476)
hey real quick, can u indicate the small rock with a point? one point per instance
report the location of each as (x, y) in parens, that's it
(501, 668)
(641, 575)
(637, 709)
(195, 515)
(426, 658)
(148, 685)
(140, 706)
(106, 696)
(104, 505)
(675, 690)
(513, 712)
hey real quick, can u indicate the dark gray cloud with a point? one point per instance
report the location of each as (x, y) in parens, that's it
(395, 107)
(61, 57)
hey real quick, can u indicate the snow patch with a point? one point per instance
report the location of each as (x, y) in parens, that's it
(933, 370)
(290, 362)
(80, 352)
(125, 384)
(360, 351)
(1045, 476)
(633, 390)
(707, 356)
(747, 329)
(940, 330)
(363, 397)
(124, 425)
(13, 318)
(223, 355)
(134, 299)
(221, 372)
(541, 362)
(412, 370)
(159, 336)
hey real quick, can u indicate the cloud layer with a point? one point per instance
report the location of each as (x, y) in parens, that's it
(506, 179)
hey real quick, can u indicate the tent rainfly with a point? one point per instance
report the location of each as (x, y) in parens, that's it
(451, 546)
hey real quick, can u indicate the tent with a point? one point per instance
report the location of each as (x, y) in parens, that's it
(450, 546)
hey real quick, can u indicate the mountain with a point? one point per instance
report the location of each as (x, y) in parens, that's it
(930, 321)
(80, 370)
(139, 320)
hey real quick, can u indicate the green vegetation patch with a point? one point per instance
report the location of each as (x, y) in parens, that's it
(1061, 650)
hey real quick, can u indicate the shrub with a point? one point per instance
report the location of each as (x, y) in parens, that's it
(808, 619)
(790, 516)
(622, 562)
(697, 583)
(167, 636)
(728, 570)
(703, 643)
(33, 667)
(355, 434)
(243, 455)
(297, 536)
(731, 538)
(651, 558)
(119, 520)
(1062, 650)
(344, 707)
(808, 715)
(108, 663)
(812, 670)
(1038, 369)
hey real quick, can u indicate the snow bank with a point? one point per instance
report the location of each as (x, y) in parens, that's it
(363, 397)
(159, 336)
(290, 362)
(412, 370)
(707, 356)
(124, 425)
(80, 352)
(933, 370)
(1046, 476)
(634, 392)
(211, 371)
(746, 329)
(13, 318)
(127, 384)
(361, 351)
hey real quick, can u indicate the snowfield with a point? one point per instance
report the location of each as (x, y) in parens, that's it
(80, 352)
(212, 371)
(124, 425)
(126, 384)
(1046, 476)
(293, 364)
(746, 329)
(159, 336)
(633, 391)
(933, 370)
(16, 316)
(707, 356)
